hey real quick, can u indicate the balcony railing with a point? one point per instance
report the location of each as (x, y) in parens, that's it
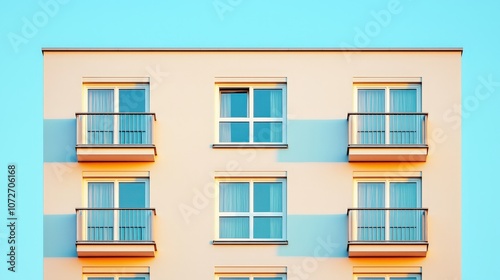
(106, 225)
(387, 128)
(387, 225)
(393, 137)
(115, 137)
(115, 128)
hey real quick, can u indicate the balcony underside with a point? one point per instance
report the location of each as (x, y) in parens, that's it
(115, 249)
(137, 153)
(370, 249)
(393, 153)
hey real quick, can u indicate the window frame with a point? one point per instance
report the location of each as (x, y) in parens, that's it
(387, 182)
(250, 87)
(387, 87)
(387, 276)
(116, 93)
(115, 276)
(250, 276)
(116, 190)
(251, 213)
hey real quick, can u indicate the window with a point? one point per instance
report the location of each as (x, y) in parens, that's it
(388, 277)
(117, 210)
(253, 114)
(116, 277)
(252, 209)
(388, 210)
(389, 114)
(117, 114)
(252, 277)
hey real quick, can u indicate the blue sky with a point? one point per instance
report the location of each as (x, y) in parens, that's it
(27, 26)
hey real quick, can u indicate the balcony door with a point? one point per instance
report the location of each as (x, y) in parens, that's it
(384, 127)
(394, 222)
(114, 119)
(115, 211)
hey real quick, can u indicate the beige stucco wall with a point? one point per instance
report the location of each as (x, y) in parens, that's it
(319, 87)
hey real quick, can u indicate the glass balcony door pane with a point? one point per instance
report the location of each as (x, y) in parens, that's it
(133, 223)
(371, 223)
(371, 128)
(133, 128)
(405, 225)
(405, 129)
(100, 128)
(100, 223)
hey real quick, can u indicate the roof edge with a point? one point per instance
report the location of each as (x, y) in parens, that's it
(443, 49)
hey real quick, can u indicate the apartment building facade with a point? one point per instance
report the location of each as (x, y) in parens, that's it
(252, 164)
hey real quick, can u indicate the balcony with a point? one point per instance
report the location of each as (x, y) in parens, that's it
(115, 137)
(387, 137)
(387, 232)
(115, 232)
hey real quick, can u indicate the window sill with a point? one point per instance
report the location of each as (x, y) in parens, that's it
(250, 146)
(250, 242)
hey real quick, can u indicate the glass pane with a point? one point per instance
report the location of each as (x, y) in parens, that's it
(268, 278)
(234, 278)
(234, 197)
(234, 104)
(100, 100)
(267, 227)
(100, 222)
(268, 132)
(234, 227)
(100, 127)
(132, 278)
(132, 195)
(234, 132)
(405, 129)
(371, 223)
(267, 197)
(403, 100)
(371, 128)
(404, 278)
(371, 278)
(100, 278)
(132, 100)
(268, 103)
(405, 225)
(371, 100)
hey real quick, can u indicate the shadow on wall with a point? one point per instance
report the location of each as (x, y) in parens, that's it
(59, 140)
(59, 236)
(315, 141)
(316, 236)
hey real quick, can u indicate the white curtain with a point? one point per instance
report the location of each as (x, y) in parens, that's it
(100, 127)
(234, 227)
(405, 225)
(371, 223)
(405, 129)
(371, 128)
(100, 222)
(276, 101)
(234, 197)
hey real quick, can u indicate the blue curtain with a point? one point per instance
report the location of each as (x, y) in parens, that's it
(371, 128)
(371, 223)
(100, 127)
(100, 223)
